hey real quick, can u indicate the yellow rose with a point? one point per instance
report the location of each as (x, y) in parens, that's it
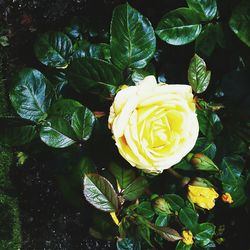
(154, 125)
(202, 196)
(187, 237)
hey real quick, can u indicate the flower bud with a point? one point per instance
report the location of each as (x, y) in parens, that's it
(202, 162)
(187, 237)
(161, 206)
(227, 198)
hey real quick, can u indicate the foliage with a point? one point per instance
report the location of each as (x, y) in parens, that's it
(65, 104)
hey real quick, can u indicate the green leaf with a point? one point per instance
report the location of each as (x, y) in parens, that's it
(198, 76)
(31, 95)
(139, 74)
(205, 233)
(209, 123)
(144, 232)
(232, 180)
(57, 133)
(162, 220)
(99, 192)
(202, 145)
(133, 40)
(184, 165)
(94, 76)
(124, 176)
(135, 189)
(189, 218)
(240, 21)
(182, 246)
(175, 201)
(53, 49)
(64, 108)
(206, 42)
(145, 209)
(15, 131)
(128, 244)
(179, 27)
(207, 9)
(82, 122)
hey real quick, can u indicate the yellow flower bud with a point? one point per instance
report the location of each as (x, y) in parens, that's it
(227, 198)
(204, 197)
(187, 237)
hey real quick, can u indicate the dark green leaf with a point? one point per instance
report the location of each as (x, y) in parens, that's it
(64, 108)
(198, 76)
(145, 209)
(81, 49)
(57, 133)
(207, 9)
(94, 76)
(53, 49)
(162, 220)
(15, 131)
(205, 43)
(184, 165)
(82, 122)
(209, 123)
(31, 95)
(205, 233)
(135, 189)
(139, 74)
(232, 181)
(132, 38)
(240, 21)
(100, 51)
(99, 192)
(204, 146)
(128, 244)
(189, 218)
(123, 175)
(182, 246)
(175, 201)
(144, 233)
(179, 27)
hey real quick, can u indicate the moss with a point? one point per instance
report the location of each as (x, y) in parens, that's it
(6, 157)
(10, 230)
(10, 237)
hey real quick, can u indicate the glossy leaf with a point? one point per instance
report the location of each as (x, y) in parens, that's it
(166, 233)
(182, 246)
(132, 38)
(128, 244)
(99, 192)
(207, 9)
(175, 201)
(123, 175)
(240, 21)
(232, 180)
(162, 220)
(189, 218)
(206, 42)
(204, 234)
(64, 108)
(202, 145)
(15, 131)
(82, 122)
(145, 209)
(179, 27)
(209, 123)
(53, 49)
(135, 189)
(94, 76)
(57, 133)
(32, 95)
(198, 75)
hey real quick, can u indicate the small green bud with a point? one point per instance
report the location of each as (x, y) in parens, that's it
(161, 206)
(21, 158)
(202, 162)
